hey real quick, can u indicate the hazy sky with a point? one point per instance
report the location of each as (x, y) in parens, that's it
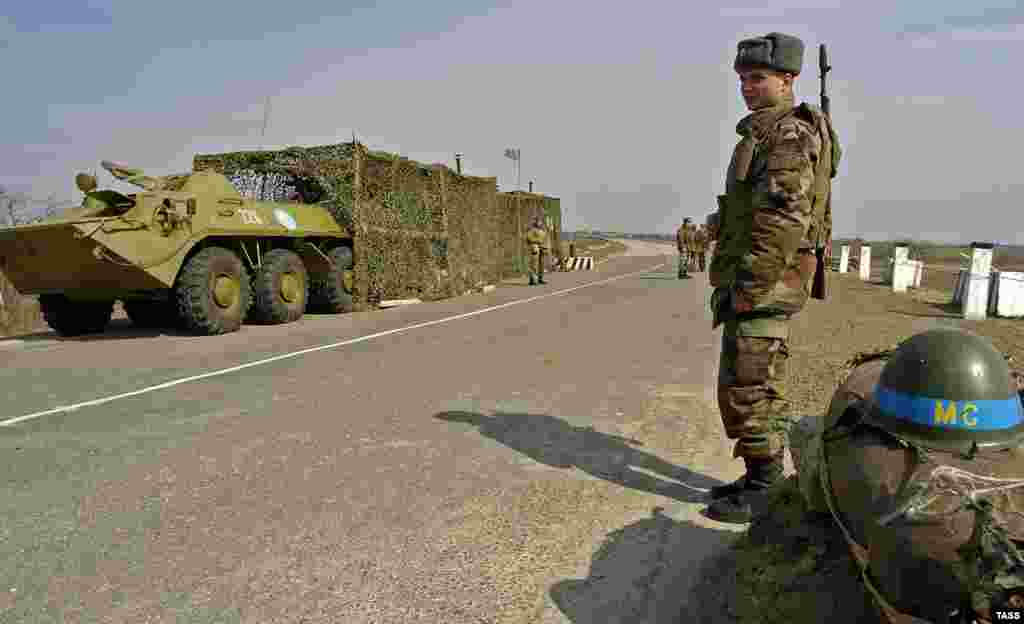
(626, 111)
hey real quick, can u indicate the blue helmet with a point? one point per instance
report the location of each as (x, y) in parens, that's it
(951, 390)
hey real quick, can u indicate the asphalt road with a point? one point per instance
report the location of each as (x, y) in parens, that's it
(533, 454)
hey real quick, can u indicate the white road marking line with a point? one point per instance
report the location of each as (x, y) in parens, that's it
(285, 356)
(666, 479)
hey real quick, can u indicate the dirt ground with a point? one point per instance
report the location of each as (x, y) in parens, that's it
(785, 569)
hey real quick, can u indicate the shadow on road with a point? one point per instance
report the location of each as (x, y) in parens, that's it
(642, 572)
(556, 443)
(123, 329)
(118, 329)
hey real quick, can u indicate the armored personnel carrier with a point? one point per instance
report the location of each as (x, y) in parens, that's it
(185, 251)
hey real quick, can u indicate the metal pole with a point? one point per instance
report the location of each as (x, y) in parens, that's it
(266, 118)
(519, 236)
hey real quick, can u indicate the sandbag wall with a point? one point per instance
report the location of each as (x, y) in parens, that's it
(419, 230)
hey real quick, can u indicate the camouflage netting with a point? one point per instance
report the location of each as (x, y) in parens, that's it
(419, 230)
(518, 212)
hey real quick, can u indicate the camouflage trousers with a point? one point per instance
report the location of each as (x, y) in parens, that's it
(536, 266)
(684, 262)
(750, 397)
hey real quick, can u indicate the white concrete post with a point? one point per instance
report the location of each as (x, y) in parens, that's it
(918, 273)
(865, 262)
(844, 258)
(976, 296)
(1010, 295)
(901, 268)
(898, 252)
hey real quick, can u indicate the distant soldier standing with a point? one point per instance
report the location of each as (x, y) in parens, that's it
(700, 244)
(684, 243)
(537, 239)
(772, 212)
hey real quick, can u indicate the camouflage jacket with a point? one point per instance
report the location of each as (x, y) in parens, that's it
(700, 241)
(772, 209)
(537, 238)
(685, 237)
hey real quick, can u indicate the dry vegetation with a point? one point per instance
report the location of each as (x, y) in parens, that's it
(18, 314)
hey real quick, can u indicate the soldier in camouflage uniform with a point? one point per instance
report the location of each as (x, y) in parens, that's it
(700, 247)
(684, 243)
(711, 227)
(537, 239)
(711, 232)
(768, 221)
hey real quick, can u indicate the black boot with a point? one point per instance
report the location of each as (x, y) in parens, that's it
(721, 491)
(734, 502)
(761, 473)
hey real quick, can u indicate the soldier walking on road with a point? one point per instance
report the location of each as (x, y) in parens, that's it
(684, 243)
(537, 239)
(772, 212)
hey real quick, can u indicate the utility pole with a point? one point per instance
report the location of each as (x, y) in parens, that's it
(266, 119)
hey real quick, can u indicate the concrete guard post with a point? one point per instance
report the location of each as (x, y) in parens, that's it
(975, 301)
(1007, 299)
(865, 262)
(844, 259)
(901, 270)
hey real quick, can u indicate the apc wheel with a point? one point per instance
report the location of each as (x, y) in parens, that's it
(151, 314)
(331, 292)
(280, 288)
(213, 292)
(74, 318)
